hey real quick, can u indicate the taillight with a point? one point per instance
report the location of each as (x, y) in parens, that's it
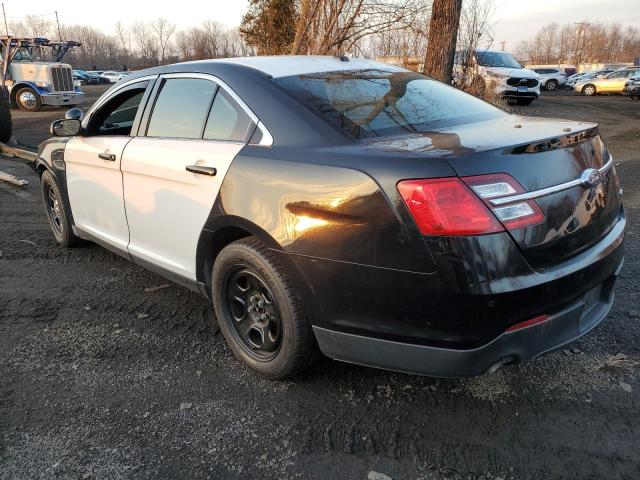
(512, 215)
(461, 206)
(446, 206)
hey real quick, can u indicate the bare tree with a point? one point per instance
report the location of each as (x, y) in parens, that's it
(37, 25)
(443, 34)
(124, 35)
(143, 38)
(337, 26)
(163, 31)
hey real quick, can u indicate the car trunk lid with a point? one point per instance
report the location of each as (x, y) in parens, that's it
(550, 157)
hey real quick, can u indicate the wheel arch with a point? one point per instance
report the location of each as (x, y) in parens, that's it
(17, 86)
(226, 229)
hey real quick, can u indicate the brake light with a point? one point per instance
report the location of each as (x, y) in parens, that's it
(512, 215)
(446, 206)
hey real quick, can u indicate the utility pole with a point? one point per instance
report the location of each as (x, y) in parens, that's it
(58, 23)
(577, 59)
(502, 44)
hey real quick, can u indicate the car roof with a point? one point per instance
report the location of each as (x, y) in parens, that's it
(286, 65)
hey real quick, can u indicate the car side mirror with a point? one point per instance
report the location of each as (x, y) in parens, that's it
(67, 127)
(74, 113)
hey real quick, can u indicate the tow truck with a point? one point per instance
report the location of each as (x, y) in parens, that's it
(30, 84)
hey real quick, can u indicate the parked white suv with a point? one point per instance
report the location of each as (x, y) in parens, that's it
(501, 71)
(551, 78)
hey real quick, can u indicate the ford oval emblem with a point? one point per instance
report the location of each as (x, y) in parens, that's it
(590, 178)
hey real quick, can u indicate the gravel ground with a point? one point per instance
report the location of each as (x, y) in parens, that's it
(100, 378)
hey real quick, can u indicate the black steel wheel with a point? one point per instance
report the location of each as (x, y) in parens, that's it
(56, 210)
(53, 206)
(255, 316)
(259, 311)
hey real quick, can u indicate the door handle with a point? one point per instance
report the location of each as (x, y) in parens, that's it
(107, 156)
(202, 170)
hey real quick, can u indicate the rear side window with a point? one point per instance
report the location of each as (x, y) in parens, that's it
(376, 102)
(181, 108)
(227, 120)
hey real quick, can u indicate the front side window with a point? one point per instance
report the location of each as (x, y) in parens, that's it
(376, 102)
(181, 108)
(227, 120)
(117, 115)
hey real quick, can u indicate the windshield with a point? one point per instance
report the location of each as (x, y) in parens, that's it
(376, 102)
(497, 59)
(22, 55)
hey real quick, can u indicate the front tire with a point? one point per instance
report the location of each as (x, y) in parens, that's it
(589, 90)
(56, 211)
(551, 85)
(259, 312)
(28, 100)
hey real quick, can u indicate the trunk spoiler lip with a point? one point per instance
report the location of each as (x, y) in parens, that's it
(550, 190)
(562, 140)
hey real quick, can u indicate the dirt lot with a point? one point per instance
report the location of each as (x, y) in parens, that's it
(94, 370)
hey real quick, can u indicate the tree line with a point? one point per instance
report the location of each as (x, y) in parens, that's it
(581, 42)
(138, 45)
(370, 28)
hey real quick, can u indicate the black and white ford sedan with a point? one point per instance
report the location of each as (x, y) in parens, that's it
(346, 206)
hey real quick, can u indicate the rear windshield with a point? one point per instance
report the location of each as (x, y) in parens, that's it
(375, 102)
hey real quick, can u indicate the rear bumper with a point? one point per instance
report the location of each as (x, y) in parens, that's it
(60, 99)
(560, 329)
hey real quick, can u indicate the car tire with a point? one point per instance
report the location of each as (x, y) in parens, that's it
(525, 101)
(5, 116)
(589, 90)
(551, 85)
(259, 311)
(28, 100)
(57, 211)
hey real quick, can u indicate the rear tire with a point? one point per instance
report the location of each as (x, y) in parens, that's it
(56, 211)
(525, 101)
(5, 116)
(551, 85)
(589, 90)
(259, 311)
(28, 100)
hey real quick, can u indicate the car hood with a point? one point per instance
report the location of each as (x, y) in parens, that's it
(458, 140)
(513, 72)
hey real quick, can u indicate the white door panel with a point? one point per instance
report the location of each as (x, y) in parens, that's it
(167, 205)
(95, 187)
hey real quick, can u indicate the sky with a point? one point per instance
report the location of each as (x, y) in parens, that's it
(512, 20)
